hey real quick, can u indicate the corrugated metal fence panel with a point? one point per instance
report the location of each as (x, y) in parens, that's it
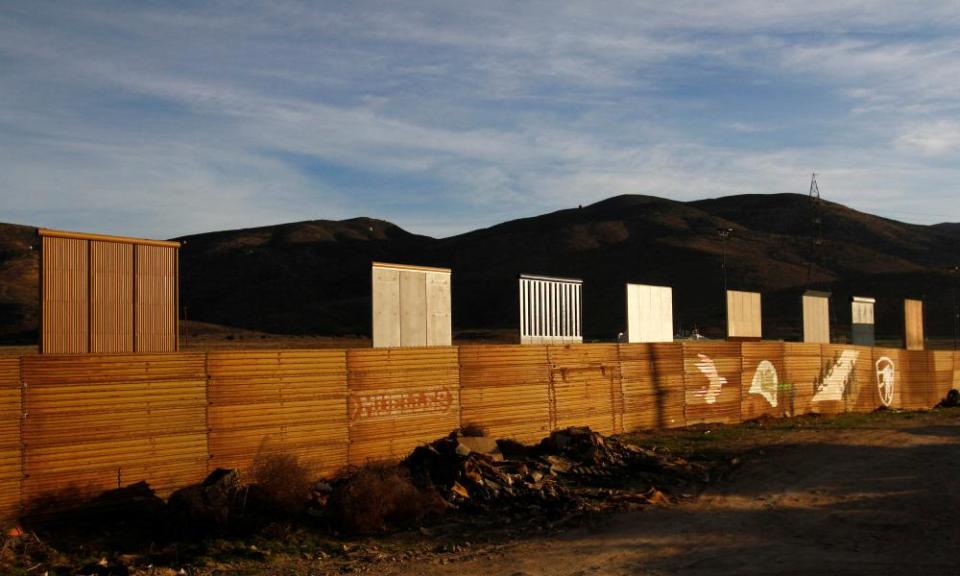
(956, 370)
(889, 376)
(801, 366)
(10, 452)
(155, 299)
(862, 393)
(586, 386)
(925, 377)
(98, 422)
(943, 375)
(652, 382)
(65, 288)
(278, 402)
(711, 373)
(762, 379)
(845, 371)
(399, 398)
(506, 389)
(111, 297)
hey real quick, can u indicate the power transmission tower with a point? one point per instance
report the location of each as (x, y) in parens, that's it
(816, 230)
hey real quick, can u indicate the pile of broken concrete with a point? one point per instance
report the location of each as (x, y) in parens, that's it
(572, 470)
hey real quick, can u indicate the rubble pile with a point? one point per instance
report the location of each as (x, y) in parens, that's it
(572, 470)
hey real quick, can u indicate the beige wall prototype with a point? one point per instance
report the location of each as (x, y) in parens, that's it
(649, 313)
(411, 306)
(816, 317)
(107, 294)
(550, 310)
(743, 314)
(913, 324)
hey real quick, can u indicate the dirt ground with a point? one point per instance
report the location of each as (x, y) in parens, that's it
(854, 494)
(859, 495)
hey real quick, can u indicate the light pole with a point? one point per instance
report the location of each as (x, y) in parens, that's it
(724, 234)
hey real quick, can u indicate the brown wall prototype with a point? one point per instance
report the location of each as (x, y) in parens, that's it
(104, 294)
(75, 425)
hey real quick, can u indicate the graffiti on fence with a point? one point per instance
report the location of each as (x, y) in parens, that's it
(714, 379)
(886, 379)
(834, 383)
(401, 403)
(765, 382)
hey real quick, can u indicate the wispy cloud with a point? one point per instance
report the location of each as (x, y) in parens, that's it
(165, 119)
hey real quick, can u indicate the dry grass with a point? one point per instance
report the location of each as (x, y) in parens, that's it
(379, 497)
(283, 481)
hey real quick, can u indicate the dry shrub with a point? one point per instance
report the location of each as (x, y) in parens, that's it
(378, 497)
(473, 429)
(283, 481)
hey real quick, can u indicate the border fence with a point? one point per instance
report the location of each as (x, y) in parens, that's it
(76, 425)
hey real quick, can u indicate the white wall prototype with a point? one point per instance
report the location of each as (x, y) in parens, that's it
(550, 310)
(816, 317)
(411, 306)
(649, 313)
(743, 314)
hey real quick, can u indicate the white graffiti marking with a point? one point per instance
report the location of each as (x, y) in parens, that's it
(716, 381)
(835, 381)
(886, 378)
(765, 382)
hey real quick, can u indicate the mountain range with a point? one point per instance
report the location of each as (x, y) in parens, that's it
(313, 277)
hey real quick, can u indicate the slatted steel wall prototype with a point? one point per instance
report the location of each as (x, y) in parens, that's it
(801, 367)
(585, 379)
(98, 422)
(278, 402)
(155, 299)
(762, 378)
(111, 297)
(10, 450)
(711, 373)
(913, 324)
(65, 287)
(653, 388)
(399, 398)
(506, 389)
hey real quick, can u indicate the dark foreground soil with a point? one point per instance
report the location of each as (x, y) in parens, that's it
(855, 494)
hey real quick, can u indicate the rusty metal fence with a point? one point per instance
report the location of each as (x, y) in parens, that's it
(76, 425)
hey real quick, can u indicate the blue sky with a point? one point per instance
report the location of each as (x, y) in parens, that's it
(167, 118)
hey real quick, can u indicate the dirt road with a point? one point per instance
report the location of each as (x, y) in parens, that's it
(881, 499)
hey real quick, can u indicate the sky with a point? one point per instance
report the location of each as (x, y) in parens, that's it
(160, 119)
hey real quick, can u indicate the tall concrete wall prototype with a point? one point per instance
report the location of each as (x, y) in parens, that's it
(816, 317)
(411, 306)
(743, 314)
(104, 294)
(862, 320)
(913, 324)
(550, 310)
(649, 313)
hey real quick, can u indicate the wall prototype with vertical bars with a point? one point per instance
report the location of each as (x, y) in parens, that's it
(104, 294)
(550, 310)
